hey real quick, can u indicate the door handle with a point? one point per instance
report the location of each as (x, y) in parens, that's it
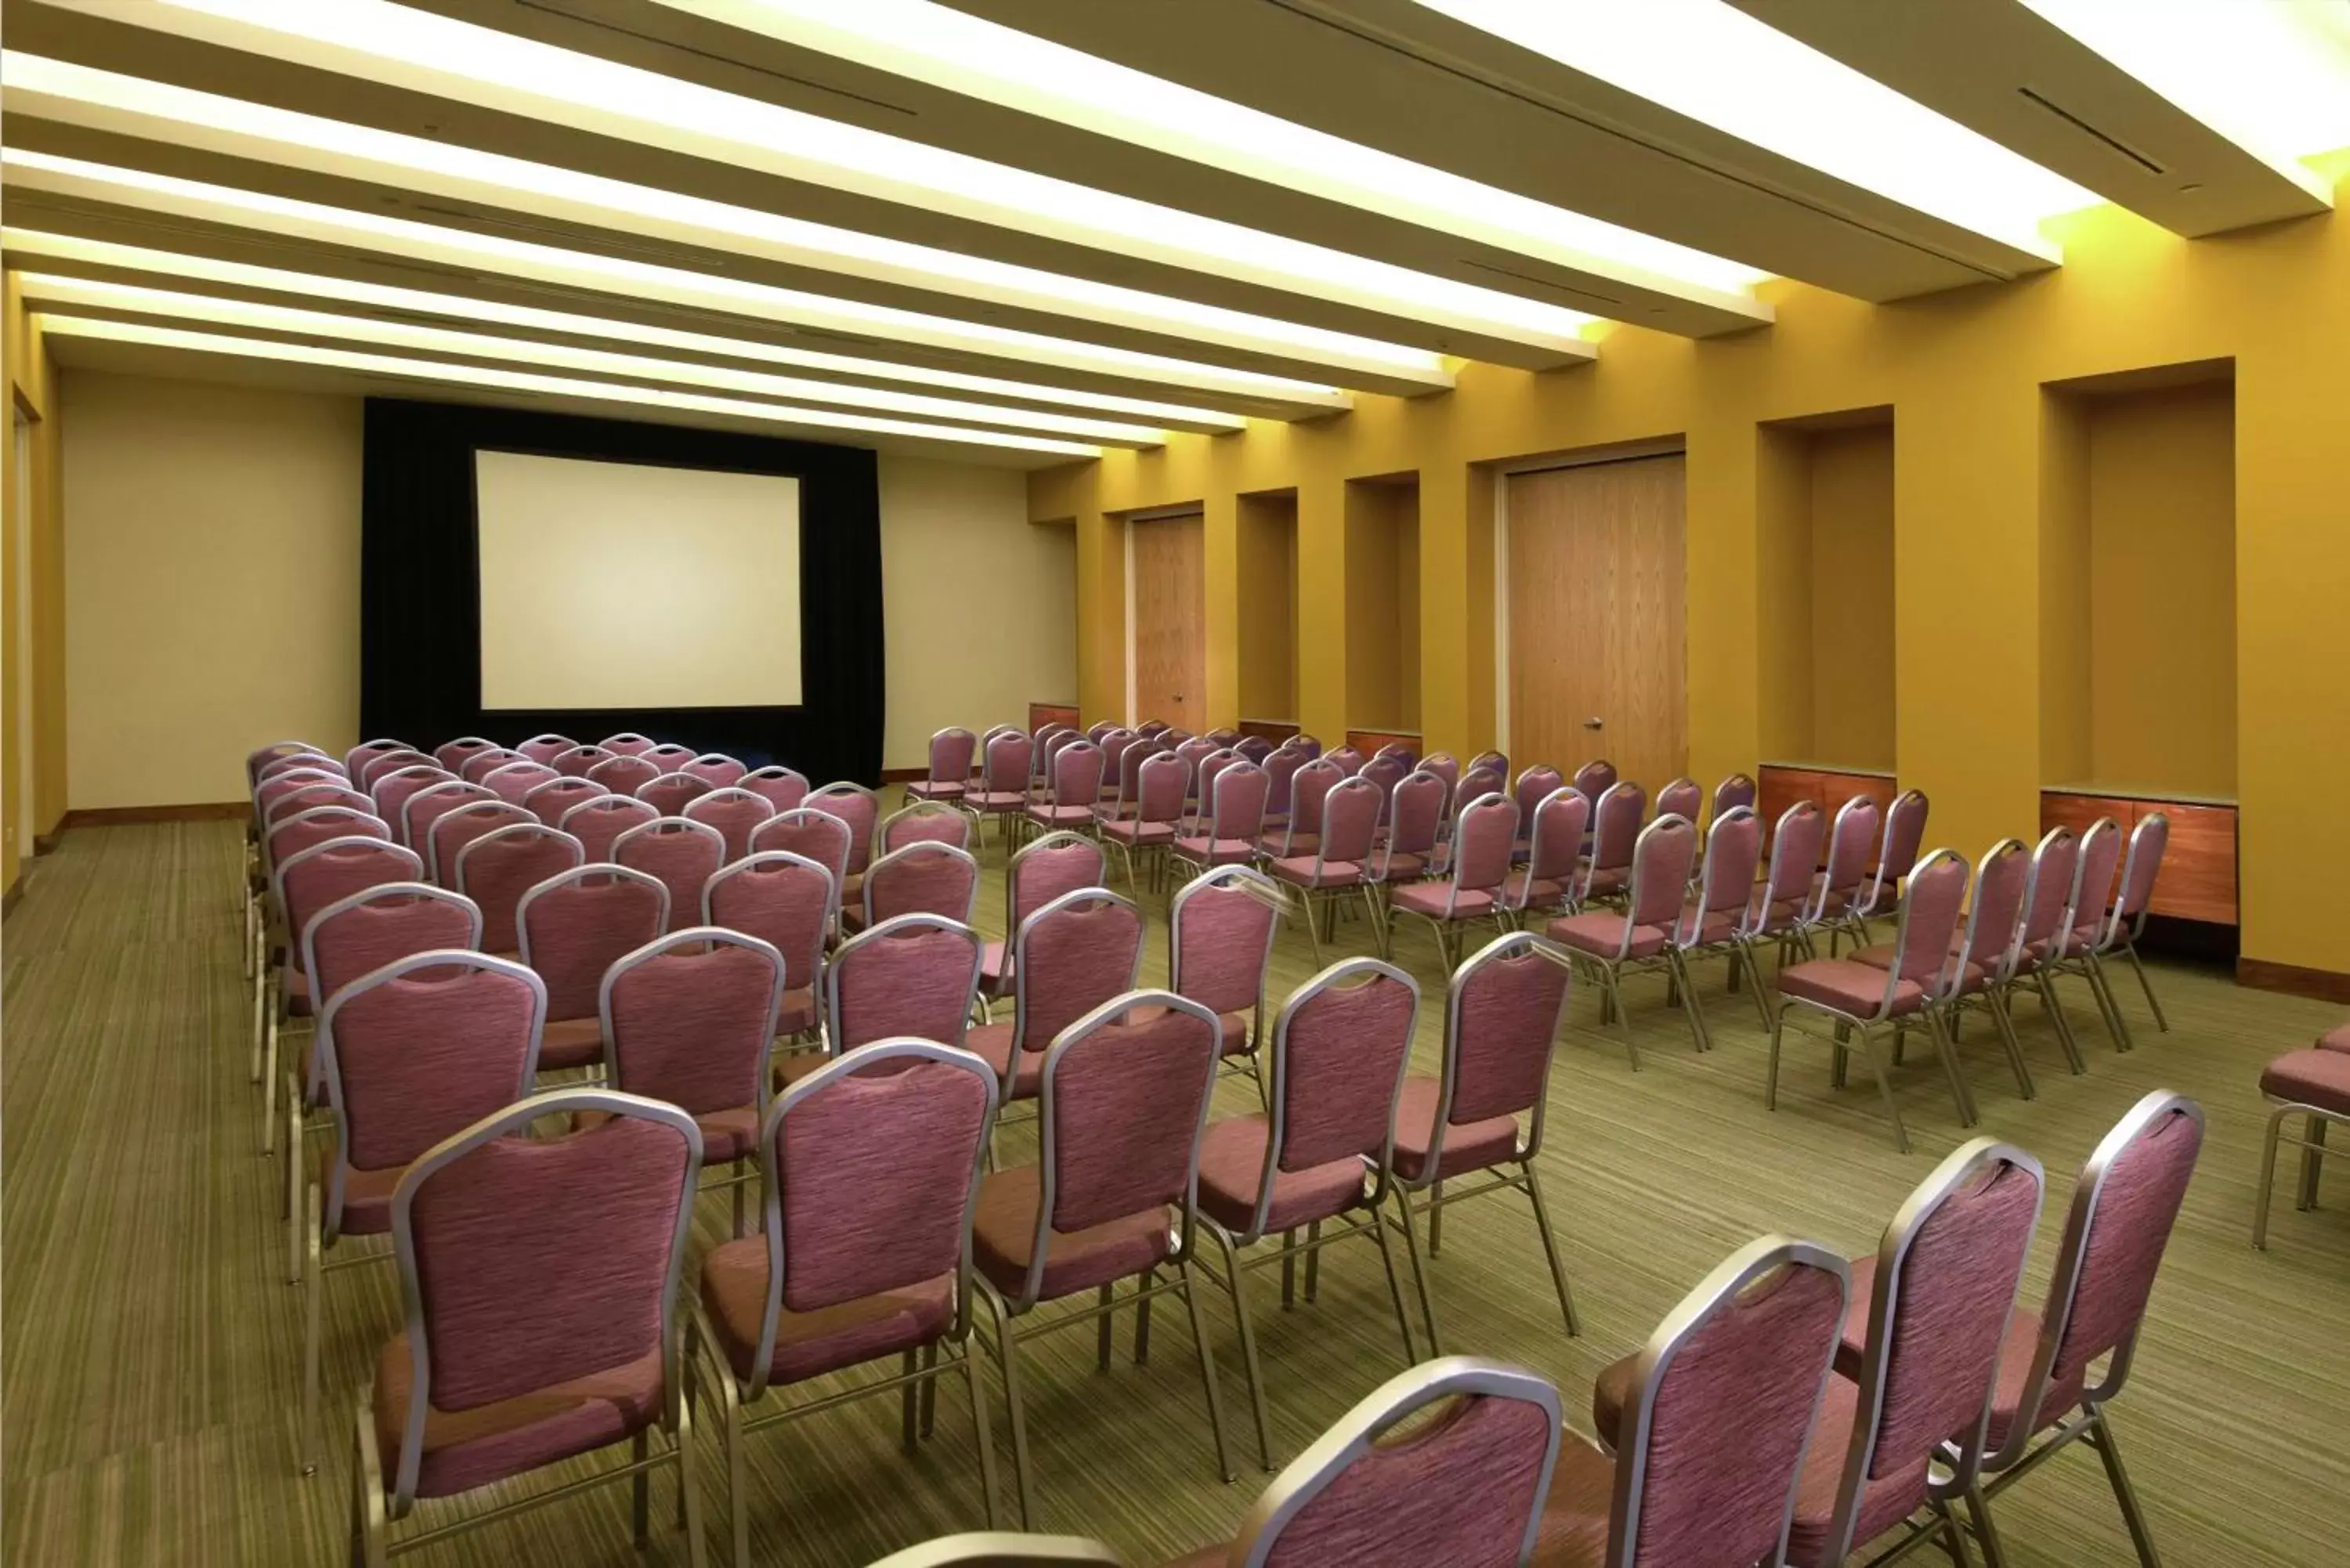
(1592, 724)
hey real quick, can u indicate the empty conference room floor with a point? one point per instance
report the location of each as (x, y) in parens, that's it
(151, 1379)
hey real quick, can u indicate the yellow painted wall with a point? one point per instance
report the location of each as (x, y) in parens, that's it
(1963, 372)
(1852, 598)
(1267, 596)
(2162, 589)
(1382, 607)
(32, 735)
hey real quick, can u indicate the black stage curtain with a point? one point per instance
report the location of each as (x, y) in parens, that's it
(420, 621)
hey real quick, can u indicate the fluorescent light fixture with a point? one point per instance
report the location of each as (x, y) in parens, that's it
(465, 173)
(96, 294)
(983, 60)
(2271, 76)
(468, 250)
(416, 50)
(524, 381)
(185, 265)
(1721, 67)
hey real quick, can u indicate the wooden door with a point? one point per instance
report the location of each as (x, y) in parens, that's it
(1597, 596)
(1170, 638)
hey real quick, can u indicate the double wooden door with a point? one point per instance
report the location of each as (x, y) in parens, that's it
(1597, 596)
(1168, 560)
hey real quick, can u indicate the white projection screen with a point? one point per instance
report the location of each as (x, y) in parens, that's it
(622, 585)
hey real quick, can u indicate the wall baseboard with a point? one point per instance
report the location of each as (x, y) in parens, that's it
(903, 775)
(126, 816)
(2318, 985)
(12, 898)
(43, 843)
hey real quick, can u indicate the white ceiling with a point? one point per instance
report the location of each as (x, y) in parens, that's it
(1027, 230)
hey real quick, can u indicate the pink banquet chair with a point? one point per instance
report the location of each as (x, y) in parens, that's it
(1221, 927)
(785, 787)
(924, 822)
(925, 878)
(1149, 827)
(540, 790)
(375, 769)
(1231, 817)
(735, 812)
(669, 756)
(861, 808)
(1410, 837)
(1682, 798)
(1774, 914)
(1842, 887)
(1596, 778)
(597, 820)
(360, 755)
(667, 794)
(546, 748)
(628, 744)
(573, 927)
(2103, 931)
(413, 825)
(1616, 815)
(1070, 956)
(1904, 834)
(579, 761)
(1612, 946)
(625, 774)
(1712, 924)
(682, 853)
(497, 868)
(1072, 789)
(1738, 789)
(864, 1257)
(1299, 832)
(947, 767)
(1484, 830)
(2085, 912)
(1042, 871)
(1542, 888)
(1001, 790)
(459, 826)
(911, 976)
(541, 1277)
(1982, 950)
(786, 902)
(392, 792)
(1340, 863)
(454, 754)
(716, 769)
(818, 836)
(2047, 896)
(479, 766)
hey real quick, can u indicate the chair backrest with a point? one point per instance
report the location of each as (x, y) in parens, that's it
(578, 761)
(1068, 957)
(1340, 1049)
(786, 901)
(1851, 841)
(1415, 814)
(951, 751)
(497, 868)
(925, 822)
(1076, 774)
(374, 770)
(546, 748)
(2139, 872)
(682, 853)
(1662, 862)
(1484, 834)
(872, 1178)
(527, 1261)
(925, 878)
(1795, 846)
(320, 825)
(1725, 1395)
(1596, 777)
(420, 810)
(1386, 770)
(1930, 909)
(1160, 781)
(2050, 886)
(690, 1018)
(1556, 842)
(1941, 1300)
(596, 820)
(861, 808)
(716, 769)
(1219, 930)
(1046, 867)
(1308, 787)
(1536, 786)
(669, 756)
(391, 792)
(281, 796)
(483, 764)
(1238, 806)
(1125, 1101)
(455, 828)
(454, 754)
(1490, 758)
(1005, 762)
(1255, 748)
(2123, 1209)
(359, 757)
(306, 764)
(1350, 823)
(1616, 824)
(362, 930)
(1905, 830)
(1347, 759)
(1738, 789)
(1733, 854)
(517, 780)
(1447, 766)
(419, 1049)
(1464, 1487)
(1682, 797)
(1476, 784)
(2092, 895)
(1503, 1010)
(628, 744)
(914, 975)
(625, 774)
(1996, 912)
(736, 813)
(1280, 767)
(575, 925)
(667, 794)
(310, 880)
(552, 799)
(818, 836)
(785, 788)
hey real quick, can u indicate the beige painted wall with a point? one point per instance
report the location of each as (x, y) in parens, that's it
(212, 582)
(979, 603)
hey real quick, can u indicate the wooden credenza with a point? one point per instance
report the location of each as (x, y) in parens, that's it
(1042, 713)
(2198, 863)
(1779, 786)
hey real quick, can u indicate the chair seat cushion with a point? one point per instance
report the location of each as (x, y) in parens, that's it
(1611, 1395)
(1521, 892)
(810, 1344)
(1061, 816)
(923, 789)
(1006, 800)
(294, 986)
(1856, 989)
(468, 1449)
(1429, 899)
(1003, 1236)
(991, 1044)
(1235, 1028)
(1467, 1147)
(1231, 1166)
(1137, 833)
(1304, 871)
(1215, 851)
(1601, 934)
(2313, 1078)
(367, 1195)
(995, 965)
(1289, 846)
(571, 1042)
(1402, 867)
(2338, 1039)
(1573, 1528)
(799, 1011)
(1714, 927)
(1606, 884)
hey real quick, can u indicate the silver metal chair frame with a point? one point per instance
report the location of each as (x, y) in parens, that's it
(1254, 884)
(1609, 972)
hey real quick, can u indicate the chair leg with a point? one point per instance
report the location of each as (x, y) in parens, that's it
(1948, 1052)
(641, 1494)
(1142, 1319)
(1866, 1046)
(1419, 1274)
(294, 1215)
(1986, 1532)
(314, 1285)
(1007, 1359)
(1314, 1263)
(910, 1405)
(2045, 984)
(1435, 1218)
(2101, 1437)
(738, 1487)
(1778, 1021)
(2129, 951)
(1105, 1327)
(1372, 916)
(260, 987)
(1615, 999)
(369, 1547)
(1745, 955)
(1996, 1005)
(930, 1386)
(982, 1430)
(267, 1023)
(1395, 1286)
(688, 1473)
(1249, 1362)
(2268, 1176)
(1190, 1288)
(2313, 1160)
(1550, 1252)
(2102, 984)
(1679, 966)
(1313, 936)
